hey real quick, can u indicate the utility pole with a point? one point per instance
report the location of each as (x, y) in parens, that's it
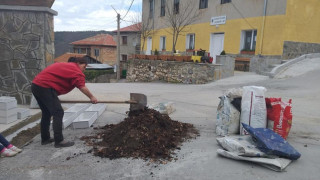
(118, 48)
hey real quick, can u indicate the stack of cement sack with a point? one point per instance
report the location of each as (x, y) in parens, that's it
(248, 107)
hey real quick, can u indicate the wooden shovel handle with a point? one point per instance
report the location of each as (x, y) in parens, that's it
(114, 102)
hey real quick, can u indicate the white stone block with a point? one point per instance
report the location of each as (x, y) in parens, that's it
(23, 113)
(68, 118)
(100, 108)
(85, 120)
(78, 108)
(8, 112)
(9, 119)
(7, 103)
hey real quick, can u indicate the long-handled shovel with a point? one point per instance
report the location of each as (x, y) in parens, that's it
(137, 101)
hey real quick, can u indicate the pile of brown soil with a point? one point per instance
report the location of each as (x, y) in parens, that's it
(143, 134)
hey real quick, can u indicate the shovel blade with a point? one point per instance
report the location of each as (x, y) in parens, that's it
(141, 100)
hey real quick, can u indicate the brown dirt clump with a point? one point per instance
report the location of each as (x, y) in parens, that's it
(145, 134)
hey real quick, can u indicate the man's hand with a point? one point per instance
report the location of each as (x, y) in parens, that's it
(86, 91)
(93, 100)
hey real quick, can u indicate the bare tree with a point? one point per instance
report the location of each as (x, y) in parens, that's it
(144, 27)
(179, 16)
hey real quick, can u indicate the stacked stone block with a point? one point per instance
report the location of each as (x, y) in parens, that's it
(82, 115)
(9, 112)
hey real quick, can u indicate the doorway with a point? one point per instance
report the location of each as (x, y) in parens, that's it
(216, 45)
(149, 46)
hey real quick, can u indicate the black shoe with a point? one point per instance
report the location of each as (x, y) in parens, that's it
(63, 144)
(48, 141)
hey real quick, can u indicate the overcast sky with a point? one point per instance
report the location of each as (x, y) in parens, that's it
(94, 15)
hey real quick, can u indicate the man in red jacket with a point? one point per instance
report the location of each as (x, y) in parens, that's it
(55, 80)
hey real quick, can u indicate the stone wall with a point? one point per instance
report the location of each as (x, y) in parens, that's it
(292, 50)
(26, 47)
(263, 64)
(172, 71)
(227, 68)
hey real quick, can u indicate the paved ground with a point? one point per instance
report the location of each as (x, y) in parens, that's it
(197, 158)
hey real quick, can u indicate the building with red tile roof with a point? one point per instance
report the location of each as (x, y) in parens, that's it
(102, 47)
(129, 40)
(131, 28)
(100, 39)
(65, 57)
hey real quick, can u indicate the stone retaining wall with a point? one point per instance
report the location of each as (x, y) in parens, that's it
(172, 71)
(262, 64)
(292, 50)
(26, 47)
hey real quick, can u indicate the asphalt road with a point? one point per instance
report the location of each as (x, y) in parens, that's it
(197, 158)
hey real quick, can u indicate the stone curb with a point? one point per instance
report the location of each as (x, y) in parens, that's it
(282, 67)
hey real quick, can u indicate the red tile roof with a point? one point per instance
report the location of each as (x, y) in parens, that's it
(100, 39)
(132, 28)
(65, 57)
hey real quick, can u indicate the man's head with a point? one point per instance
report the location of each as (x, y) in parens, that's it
(81, 61)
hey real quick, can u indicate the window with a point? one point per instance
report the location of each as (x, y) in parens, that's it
(163, 8)
(96, 52)
(124, 40)
(190, 41)
(249, 40)
(151, 2)
(225, 1)
(176, 6)
(162, 43)
(124, 57)
(77, 50)
(88, 51)
(203, 4)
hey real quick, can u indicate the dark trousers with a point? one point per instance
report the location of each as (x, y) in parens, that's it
(50, 106)
(3, 142)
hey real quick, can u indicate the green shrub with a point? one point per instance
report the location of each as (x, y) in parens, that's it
(156, 52)
(91, 74)
(223, 53)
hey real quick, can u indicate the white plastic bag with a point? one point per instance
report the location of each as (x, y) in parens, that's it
(164, 107)
(241, 145)
(228, 118)
(253, 108)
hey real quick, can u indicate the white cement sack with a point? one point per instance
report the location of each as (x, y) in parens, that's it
(253, 108)
(228, 118)
(164, 107)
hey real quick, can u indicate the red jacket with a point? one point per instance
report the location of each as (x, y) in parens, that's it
(62, 77)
